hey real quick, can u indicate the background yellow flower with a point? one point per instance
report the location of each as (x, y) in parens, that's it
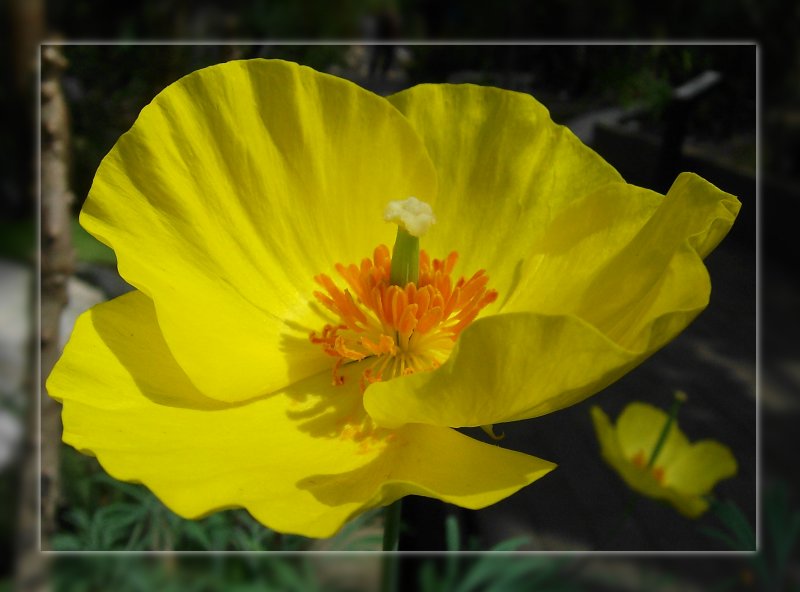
(682, 474)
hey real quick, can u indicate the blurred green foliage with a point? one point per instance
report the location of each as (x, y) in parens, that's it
(736, 535)
(493, 572)
(183, 574)
(103, 514)
(107, 515)
(780, 534)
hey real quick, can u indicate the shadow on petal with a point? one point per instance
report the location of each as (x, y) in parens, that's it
(325, 410)
(296, 347)
(433, 462)
(132, 334)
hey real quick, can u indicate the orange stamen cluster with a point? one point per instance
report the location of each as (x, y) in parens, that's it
(639, 461)
(405, 329)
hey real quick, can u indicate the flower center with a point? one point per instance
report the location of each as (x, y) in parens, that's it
(640, 462)
(401, 329)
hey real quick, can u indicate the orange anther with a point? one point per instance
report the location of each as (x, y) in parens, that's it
(658, 473)
(408, 321)
(398, 307)
(433, 316)
(450, 262)
(423, 298)
(638, 459)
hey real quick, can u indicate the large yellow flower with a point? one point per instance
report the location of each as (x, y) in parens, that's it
(265, 361)
(680, 473)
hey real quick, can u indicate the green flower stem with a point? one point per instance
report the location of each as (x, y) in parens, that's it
(680, 399)
(405, 259)
(391, 535)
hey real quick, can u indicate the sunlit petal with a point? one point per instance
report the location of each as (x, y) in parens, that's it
(304, 460)
(234, 188)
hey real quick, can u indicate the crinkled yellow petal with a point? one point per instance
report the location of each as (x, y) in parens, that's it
(638, 429)
(700, 467)
(234, 188)
(647, 293)
(595, 274)
(303, 460)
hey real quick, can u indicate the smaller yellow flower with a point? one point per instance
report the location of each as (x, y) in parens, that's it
(681, 473)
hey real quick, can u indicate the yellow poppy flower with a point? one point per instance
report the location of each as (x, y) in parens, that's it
(265, 359)
(682, 474)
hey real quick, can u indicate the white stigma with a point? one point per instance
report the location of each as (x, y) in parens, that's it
(412, 214)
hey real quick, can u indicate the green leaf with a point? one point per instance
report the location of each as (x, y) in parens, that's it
(452, 534)
(499, 572)
(66, 542)
(196, 533)
(359, 534)
(739, 535)
(288, 577)
(784, 528)
(428, 578)
(136, 538)
(512, 544)
(717, 534)
(453, 540)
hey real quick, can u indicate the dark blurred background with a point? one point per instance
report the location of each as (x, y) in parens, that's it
(650, 108)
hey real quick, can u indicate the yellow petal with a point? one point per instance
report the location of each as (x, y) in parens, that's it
(234, 188)
(433, 462)
(598, 274)
(606, 434)
(566, 255)
(700, 467)
(647, 293)
(691, 506)
(505, 171)
(628, 260)
(612, 452)
(638, 429)
(304, 460)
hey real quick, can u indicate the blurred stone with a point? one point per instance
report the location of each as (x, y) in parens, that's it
(104, 277)
(16, 328)
(10, 436)
(81, 297)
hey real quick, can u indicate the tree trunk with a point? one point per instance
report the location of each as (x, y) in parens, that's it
(56, 260)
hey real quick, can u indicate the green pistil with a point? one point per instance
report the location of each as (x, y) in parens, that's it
(405, 259)
(680, 399)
